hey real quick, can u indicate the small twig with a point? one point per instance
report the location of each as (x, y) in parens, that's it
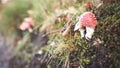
(44, 57)
(98, 5)
(59, 63)
(49, 60)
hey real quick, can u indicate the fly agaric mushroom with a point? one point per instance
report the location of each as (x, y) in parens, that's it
(88, 21)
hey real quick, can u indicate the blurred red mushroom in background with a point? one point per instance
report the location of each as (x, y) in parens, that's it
(88, 21)
(27, 24)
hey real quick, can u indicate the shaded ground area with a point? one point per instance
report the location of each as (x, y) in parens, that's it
(6, 51)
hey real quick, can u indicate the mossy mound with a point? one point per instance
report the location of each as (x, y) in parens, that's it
(105, 52)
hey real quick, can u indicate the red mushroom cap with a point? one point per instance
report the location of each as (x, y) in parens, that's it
(24, 26)
(28, 23)
(88, 19)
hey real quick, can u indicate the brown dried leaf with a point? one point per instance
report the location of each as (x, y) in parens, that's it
(66, 33)
(88, 5)
(75, 35)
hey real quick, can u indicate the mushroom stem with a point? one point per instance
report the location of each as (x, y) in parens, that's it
(89, 33)
(82, 32)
